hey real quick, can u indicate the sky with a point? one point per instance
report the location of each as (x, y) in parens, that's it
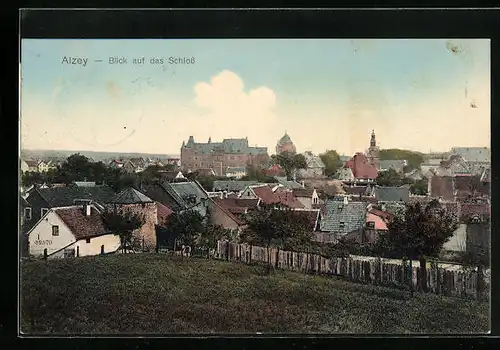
(419, 94)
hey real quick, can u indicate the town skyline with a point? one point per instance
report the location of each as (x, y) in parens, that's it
(408, 91)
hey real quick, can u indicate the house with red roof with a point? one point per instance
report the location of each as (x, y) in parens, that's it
(267, 196)
(274, 170)
(227, 214)
(361, 168)
(77, 230)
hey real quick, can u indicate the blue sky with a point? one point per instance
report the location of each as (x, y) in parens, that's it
(327, 94)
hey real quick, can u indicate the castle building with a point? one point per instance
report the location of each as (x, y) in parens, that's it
(220, 156)
(373, 152)
(285, 144)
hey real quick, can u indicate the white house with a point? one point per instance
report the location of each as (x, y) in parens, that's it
(71, 231)
(307, 197)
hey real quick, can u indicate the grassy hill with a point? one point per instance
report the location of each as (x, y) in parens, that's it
(153, 293)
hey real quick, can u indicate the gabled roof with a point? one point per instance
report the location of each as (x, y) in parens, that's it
(82, 226)
(382, 214)
(288, 183)
(163, 212)
(265, 193)
(360, 167)
(343, 218)
(65, 196)
(222, 205)
(131, 196)
(164, 195)
(392, 194)
(238, 205)
(287, 198)
(32, 163)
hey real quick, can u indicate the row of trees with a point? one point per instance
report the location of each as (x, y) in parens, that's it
(79, 168)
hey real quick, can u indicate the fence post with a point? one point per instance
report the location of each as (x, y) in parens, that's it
(479, 281)
(423, 277)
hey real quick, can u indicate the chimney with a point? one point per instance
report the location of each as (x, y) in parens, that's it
(86, 209)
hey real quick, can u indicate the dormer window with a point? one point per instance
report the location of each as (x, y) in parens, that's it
(27, 213)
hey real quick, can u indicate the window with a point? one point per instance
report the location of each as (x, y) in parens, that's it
(44, 211)
(27, 213)
(87, 240)
(55, 230)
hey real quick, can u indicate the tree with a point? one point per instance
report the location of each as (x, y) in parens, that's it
(332, 162)
(278, 224)
(208, 238)
(181, 228)
(290, 162)
(419, 187)
(32, 178)
(418, 231)
(389, 178)
(77, 167)
(414, 158)
(123, 222)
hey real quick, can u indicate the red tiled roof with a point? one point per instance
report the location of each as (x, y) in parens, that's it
(273, 171)
(219, 202)
(287, 198)
(80, 225)
(163, 212)
(383, 214)
(266, 194)
(237, 205)
(360, 167)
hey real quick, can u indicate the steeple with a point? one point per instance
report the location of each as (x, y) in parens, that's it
(373, 143)
(210, 140)
(183, 144)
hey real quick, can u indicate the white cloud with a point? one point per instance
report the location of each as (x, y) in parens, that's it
(227, 110)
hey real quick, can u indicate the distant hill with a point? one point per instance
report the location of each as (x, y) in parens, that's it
(97, 156)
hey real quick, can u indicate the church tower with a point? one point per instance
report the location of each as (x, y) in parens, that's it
(373, 152)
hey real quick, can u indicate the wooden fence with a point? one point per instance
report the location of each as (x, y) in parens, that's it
(395, 273)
